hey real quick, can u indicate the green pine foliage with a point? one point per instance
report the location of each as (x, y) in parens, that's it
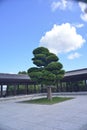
(48, 70)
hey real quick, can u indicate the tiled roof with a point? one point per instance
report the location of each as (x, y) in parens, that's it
(26, 77)
(76, 72)
(14, 76)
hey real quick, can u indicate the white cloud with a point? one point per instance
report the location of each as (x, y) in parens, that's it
(79, 25)
(55, 5)
(74, 55)
(83, 7)
(61, 4)
(84, 17)
(62, 38)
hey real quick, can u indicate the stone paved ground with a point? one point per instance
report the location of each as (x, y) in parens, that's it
(68, 115)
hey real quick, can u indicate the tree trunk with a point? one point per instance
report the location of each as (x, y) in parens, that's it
(49, 93)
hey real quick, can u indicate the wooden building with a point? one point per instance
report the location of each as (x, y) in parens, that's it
(75, 80)
(14, 80)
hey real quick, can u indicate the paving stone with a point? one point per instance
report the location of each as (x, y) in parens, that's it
(68, 115)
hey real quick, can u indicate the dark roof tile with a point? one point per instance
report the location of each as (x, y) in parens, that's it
(76, 72)
(14, 76)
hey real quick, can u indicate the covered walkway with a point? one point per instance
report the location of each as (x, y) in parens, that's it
(75, 80)
(13, 80)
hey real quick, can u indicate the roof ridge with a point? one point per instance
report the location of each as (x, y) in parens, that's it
(76, 70)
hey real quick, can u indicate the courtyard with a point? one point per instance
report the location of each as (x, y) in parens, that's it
(68, 115)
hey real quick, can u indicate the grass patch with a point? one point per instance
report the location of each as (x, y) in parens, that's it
(48, 102)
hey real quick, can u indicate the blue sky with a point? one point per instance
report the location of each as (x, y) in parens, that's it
(59, 25)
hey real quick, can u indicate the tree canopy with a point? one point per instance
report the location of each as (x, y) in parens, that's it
(48, 69)
(22, 72)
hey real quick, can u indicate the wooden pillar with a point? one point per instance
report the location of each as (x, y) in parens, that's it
(14, 89)
(67, 87)
(61, 86)
(7, 92)
(18, 89)
(58, 87)
(34, 88)
(1, 91)
(70, 85)
(85, 85)
(41, 88)
(85, 82)
(26, 89)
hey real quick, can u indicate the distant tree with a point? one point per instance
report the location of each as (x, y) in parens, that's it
(22, 72)
(48, 71)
